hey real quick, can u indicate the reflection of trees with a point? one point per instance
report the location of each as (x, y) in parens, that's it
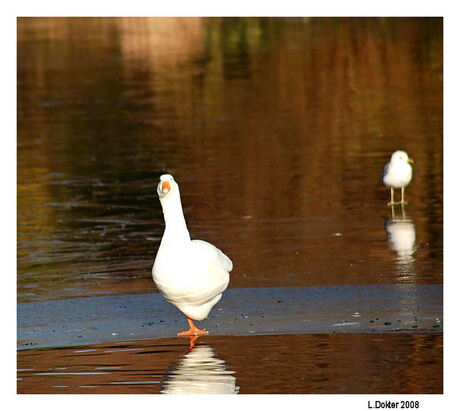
(348, 363)
(257, 114)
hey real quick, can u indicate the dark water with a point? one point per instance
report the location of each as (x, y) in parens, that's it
(308, 364)
(277, 131)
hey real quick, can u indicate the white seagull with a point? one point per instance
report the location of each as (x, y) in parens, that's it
(191, 274)
(397, 174)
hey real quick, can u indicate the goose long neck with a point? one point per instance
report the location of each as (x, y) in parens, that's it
(175, 225)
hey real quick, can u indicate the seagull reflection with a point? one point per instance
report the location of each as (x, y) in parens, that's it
(199, 371)
(401, 235)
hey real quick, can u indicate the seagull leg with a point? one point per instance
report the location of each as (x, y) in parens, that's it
(193, 330)
(392, 202)
(402, 196)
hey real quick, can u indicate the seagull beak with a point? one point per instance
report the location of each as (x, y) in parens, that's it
(165, 187)
(409, 160)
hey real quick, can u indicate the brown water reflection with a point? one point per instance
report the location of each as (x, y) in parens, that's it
(276, 129)
(302, 364)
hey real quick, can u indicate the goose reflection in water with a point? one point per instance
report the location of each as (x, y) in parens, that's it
(199, 371)
(401, 236)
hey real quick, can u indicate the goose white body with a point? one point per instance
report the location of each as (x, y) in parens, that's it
(191, 274)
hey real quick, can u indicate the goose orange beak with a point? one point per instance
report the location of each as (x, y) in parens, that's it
(165, 186)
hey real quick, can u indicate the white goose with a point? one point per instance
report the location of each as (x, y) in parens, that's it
(191, 274)
(397, 174)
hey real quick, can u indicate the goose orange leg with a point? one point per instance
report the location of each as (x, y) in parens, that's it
(193, 330)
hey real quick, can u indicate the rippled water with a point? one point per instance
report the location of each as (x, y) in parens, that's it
(280, 364)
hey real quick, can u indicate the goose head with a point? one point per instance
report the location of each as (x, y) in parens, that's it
(167, 187)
